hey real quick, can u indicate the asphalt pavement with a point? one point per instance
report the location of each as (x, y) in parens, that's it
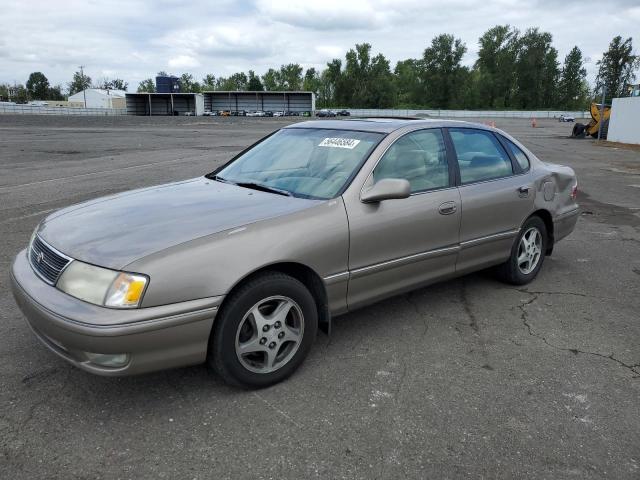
(470, 378)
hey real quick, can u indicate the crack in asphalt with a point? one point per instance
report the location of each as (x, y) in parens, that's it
(467, 308)
(524, 318)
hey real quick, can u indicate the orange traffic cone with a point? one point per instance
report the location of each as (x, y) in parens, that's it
(534, 124)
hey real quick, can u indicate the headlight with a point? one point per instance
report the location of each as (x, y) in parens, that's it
(102, 286)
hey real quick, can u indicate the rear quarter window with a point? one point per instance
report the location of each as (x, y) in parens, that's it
(520, 156)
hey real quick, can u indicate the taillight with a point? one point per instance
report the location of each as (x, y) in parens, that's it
(574, 191)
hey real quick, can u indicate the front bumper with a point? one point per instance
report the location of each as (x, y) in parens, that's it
(153, 338)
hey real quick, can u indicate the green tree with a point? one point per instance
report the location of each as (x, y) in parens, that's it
(4, 92)
(254, 84)
(495, 67)
(271, 80)
(290, 77)
(442, 73)
(79, 83)
(572, 91)
(147, 86)
(311, 81)
(208, 82)
(188, 84)
(38, 86)
(407, 83)
(365, 82)
(112, 84)
(55, 93)
(237, 81)
(617, 68)
(537, 71)
(20, 94)
(332, 91)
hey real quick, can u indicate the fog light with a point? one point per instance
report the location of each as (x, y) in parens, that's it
(108, 359)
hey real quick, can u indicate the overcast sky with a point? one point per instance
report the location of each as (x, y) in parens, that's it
(134, 39)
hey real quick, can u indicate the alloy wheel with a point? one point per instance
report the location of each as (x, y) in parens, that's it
(529, 250)
(269, 334)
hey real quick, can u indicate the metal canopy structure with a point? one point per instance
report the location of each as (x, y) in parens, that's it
(235, 101)
(165, 104)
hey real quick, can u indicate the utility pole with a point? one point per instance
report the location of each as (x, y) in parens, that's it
(604, 96)
(84, 90)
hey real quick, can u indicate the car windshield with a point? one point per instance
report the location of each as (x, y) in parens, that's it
(303, 162)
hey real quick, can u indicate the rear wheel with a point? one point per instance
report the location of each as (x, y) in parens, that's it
(264, 331)
(527, 253)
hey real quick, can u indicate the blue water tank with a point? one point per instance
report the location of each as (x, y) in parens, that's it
(168, 84)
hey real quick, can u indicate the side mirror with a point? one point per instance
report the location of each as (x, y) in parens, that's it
(386, 189)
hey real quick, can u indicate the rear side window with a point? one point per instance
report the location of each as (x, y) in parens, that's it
(480, 155)
(521, 158)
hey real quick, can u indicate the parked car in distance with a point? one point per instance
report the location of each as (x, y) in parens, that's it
(207, 113)
(224, 113)
(566, 118)
(343, 113)
(325, 113)
(239, 267)
(278, 114)
(268, 113)
(189, 114)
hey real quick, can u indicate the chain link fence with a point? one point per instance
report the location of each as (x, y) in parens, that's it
(39, 110)
(464, 113)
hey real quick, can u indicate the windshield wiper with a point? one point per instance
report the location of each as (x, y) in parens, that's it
(218, 178)
(264, 188)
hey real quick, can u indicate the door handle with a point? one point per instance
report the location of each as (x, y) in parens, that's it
(447, 208)
(523, 191)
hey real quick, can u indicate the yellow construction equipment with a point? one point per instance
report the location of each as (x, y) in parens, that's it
(580, 130)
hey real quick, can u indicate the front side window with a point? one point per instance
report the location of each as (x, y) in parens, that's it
(304, 162)
(419, 157)
(520, 156)
(480, 155)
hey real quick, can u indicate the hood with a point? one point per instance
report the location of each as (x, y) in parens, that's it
(116, 230)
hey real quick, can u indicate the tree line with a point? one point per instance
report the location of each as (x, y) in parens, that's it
(514, 70)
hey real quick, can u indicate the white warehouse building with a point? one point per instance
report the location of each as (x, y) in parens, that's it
(99, 98)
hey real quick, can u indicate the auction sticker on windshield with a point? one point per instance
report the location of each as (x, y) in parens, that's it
(349, 143)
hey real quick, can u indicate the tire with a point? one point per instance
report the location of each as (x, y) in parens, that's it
(578, 130)
(519, 272)
(270, 355)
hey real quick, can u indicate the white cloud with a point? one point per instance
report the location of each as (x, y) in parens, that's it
(134, 39)
(183, 61)
(323, 15)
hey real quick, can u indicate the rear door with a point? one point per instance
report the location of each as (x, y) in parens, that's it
(496, 197)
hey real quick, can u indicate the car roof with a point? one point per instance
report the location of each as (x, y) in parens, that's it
(382, 125)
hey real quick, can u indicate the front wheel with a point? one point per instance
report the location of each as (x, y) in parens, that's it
(527, 253)
(264, 331)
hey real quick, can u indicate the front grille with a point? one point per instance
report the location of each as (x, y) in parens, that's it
(46, 261)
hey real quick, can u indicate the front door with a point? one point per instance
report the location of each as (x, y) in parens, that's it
(397, 245)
